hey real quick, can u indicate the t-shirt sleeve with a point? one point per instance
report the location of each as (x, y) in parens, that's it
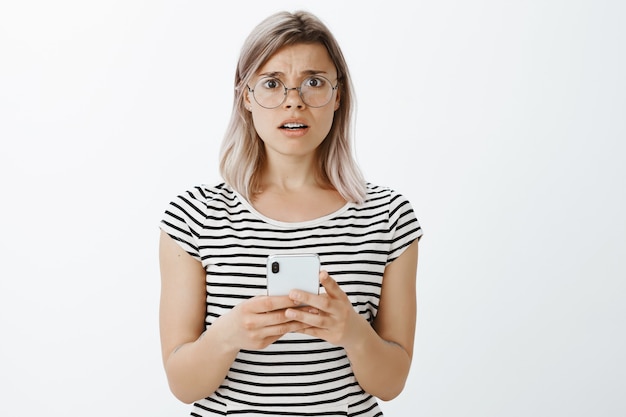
(183, 221)
(404, 228)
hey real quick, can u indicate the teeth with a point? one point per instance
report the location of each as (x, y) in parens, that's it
(293, 125)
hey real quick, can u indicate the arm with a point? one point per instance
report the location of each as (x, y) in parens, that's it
(196, 360)
(395, 327)
(380, 354)
(194, 366)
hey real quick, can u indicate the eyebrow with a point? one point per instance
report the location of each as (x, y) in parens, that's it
(278, 74)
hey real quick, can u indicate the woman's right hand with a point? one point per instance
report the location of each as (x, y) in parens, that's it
(257, 322)
(197, 358)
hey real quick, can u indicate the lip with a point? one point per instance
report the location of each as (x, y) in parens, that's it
(294, 133)
(294, 121)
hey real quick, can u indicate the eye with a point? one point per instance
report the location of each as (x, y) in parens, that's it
(314, 82)
(270, 83)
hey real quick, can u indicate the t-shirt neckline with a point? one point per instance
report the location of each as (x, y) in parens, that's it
(290, 225)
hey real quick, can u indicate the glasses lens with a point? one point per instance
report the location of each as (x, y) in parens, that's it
(269, 92)
(316, 91)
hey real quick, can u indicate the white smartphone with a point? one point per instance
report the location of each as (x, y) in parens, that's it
(286, 272)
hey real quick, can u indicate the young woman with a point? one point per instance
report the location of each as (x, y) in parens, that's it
(291, 185)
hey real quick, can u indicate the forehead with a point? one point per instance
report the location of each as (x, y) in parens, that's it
(299, 58)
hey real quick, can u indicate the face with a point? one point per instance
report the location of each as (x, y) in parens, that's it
(294, 128)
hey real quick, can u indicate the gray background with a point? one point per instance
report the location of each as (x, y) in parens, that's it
(503, 122)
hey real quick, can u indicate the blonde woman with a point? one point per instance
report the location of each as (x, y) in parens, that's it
(290, 185)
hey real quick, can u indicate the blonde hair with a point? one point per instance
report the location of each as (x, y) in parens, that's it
(242, 152)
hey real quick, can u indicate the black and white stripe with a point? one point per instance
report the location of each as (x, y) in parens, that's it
(297, 375)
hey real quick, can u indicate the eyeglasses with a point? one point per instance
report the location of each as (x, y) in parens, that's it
(315, 91)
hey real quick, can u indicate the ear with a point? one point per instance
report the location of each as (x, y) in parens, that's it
(337, 100)
(246, 100)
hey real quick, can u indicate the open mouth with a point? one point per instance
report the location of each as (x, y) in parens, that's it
(293, 126)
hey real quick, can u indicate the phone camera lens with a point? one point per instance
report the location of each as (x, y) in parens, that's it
(275, 267)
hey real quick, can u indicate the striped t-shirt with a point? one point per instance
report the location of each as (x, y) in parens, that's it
(298, 375)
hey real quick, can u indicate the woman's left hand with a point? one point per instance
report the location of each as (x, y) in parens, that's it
(330, 316)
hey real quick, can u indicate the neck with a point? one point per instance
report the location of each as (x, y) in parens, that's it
(290, 174)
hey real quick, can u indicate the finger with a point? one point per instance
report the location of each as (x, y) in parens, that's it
(331, 286)
(271, 325)
(266, 303)
(286, 327)
(314, 332)
(308, 309)
(269, 335)
(319, 301)
(306, 317)
(270, 319)
(307, 300)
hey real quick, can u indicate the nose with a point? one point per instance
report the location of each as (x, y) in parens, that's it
(294, 99)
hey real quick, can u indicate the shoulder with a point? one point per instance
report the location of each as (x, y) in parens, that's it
(196, 203)
(207, 195)
(378, 194)
(401, 218)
